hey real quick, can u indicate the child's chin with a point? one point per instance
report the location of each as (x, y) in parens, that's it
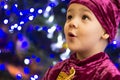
(73, 49)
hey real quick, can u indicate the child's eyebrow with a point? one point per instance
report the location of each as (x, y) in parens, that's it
(69, 10)
(81, 10)
(85, 10)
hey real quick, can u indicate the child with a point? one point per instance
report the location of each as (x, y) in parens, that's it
(90, 26)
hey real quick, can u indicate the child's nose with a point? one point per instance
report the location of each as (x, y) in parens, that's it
(73, 23)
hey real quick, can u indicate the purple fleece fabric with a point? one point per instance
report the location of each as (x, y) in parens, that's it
(96, 67)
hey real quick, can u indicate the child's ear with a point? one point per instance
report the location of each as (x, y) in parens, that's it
(105, 36)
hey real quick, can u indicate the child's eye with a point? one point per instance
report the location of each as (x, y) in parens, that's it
(69, 17)
(85, 17)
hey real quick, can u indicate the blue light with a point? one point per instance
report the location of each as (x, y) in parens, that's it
(40, 29)
(12, 27)
(2, 34)
(45, 28)
(2, 3)
(19, 28)
(52, 4)
(16, 5)
(66, 1)
(52, 56)
(59, 28)
(21, 13)
(117, 65)
(26, 70)
(40, 11)
(31, 78)
(51, 19)
(33, 56)
(54, 62)
(15, 25)
(19, 76)
(26, 61)
(10, 45)
(25, 12)
(37, 60)
(20, 36)
(6, 21)
(2, 67)
(24, 44)
(48, 8)
(8, 12)
(63, 10)
(6, 6)
(14, 9)
(46, 14)
(31, 18)
(36, 76)
(37, 27)
(22, 22)
(52, 0)
(65, 55)
(32, 10)
(25, 19)
(11, 31)
(114, 42)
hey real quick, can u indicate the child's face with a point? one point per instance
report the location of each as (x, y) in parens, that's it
(82, 30)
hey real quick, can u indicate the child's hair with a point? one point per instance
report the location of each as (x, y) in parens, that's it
(106, 11)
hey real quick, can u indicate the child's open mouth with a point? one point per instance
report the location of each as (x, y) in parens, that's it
(70, 34)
